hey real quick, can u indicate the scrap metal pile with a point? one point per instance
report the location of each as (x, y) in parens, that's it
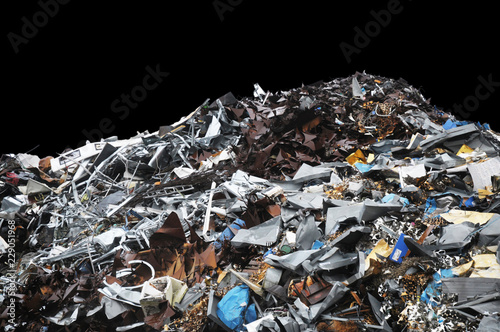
(349, 205)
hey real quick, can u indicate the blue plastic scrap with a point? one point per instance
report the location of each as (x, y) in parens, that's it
(268, 252)
(390, 198)
(470, 202)
(432, 204)
(317, 245)
(363, 168)
(227, 234)
(485, 125)
(399, 251)
(234, 309)
(449, 124)
(251, 314)
(433, 289)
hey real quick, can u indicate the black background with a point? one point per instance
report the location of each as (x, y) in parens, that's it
(64, 79)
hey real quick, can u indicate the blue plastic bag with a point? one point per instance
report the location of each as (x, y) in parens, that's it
(227, 234)
(251, 314)
(233, 306)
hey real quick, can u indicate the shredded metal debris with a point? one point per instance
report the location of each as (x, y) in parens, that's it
(349, 205)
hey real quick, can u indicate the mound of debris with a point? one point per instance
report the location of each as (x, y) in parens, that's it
(349, 205)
